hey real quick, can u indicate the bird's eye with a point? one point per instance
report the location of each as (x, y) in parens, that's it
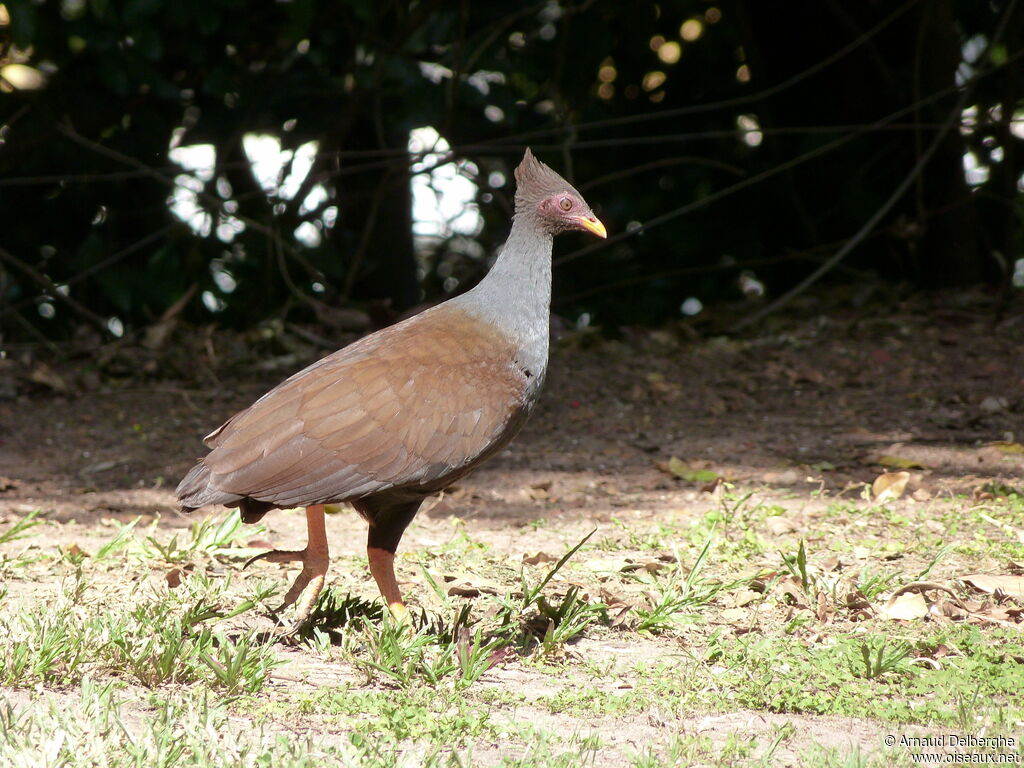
(565, 204)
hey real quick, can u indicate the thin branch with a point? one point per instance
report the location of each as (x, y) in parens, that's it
(52, 290)
(364, 240)
(770, 172)
(98, 266)
(206, 197)
(897, 194)
(654, 165)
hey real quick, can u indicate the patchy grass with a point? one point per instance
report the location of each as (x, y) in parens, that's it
(747, 628)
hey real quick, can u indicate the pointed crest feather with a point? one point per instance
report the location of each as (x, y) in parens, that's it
(535, 181)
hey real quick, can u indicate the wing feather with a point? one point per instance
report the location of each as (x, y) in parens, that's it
(410, 405)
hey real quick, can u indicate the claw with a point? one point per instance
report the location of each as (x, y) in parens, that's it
(277, 556)
(314, 559)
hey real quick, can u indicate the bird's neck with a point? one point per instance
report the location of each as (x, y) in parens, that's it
(516, 294)
(518, 287)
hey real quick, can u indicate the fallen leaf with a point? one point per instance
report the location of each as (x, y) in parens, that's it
(716, 487)
(684, 471)
(792, 590)
(75, 551)
(99, 466)
(734, 615)
(857, 601)
(784, 478)
(745, 597)
(898, 462)
(951, 610)
(539, 557)
(619, 618)
(779, 526)
(607, 564)
(832, 563)
(1011, 448)
(907, 607)
(992, 404)
(990, 583)
(889, 486)
(823, 609)
(44, 375)
(469, 586)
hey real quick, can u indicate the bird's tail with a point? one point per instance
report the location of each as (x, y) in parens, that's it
(196, 490)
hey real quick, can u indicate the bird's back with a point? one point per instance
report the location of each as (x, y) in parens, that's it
(412, 406)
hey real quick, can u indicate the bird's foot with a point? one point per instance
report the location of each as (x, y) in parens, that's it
(307, 585)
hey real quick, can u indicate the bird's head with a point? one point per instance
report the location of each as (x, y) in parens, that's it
(547, 199)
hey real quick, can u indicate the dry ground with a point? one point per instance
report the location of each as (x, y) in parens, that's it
(761, 447)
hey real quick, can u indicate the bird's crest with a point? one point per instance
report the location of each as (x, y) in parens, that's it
(535, 181)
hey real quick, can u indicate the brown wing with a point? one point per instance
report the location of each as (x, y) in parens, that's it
(408, 406)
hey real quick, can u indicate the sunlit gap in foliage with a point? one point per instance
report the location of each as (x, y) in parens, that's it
(444, 198)
(444, 208)
(976, 165)
(279, 172)
(751, 128)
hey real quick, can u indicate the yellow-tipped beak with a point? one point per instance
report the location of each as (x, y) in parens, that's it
(591, 224)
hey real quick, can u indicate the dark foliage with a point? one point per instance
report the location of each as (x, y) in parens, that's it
(845, 98)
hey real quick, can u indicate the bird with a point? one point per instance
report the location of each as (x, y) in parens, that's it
(402, 413)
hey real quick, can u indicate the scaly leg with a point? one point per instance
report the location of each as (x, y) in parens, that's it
(314, 559)
(382, 568)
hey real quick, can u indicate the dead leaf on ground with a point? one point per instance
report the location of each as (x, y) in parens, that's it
(74, 551)
(651, 566)
(745, 597)
(951, 609)
(823, 610)
(832, 563)
(780, 526)
(45, 376)
(906, 607)
(889, 486)
(682, 470)
(899, 462)
(1012, 448)
(606, 564)
(793, 591)
(469, 586)
(735, 615)
(856, 600)
(173, 577)
(618, 614)
(539, 557)
(990, 583)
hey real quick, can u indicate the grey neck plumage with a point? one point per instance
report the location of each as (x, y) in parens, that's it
(515, 295)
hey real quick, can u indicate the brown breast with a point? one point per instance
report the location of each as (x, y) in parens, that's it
(415, 405)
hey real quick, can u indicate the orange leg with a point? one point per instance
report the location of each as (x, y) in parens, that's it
(382, 567)
(314, 558)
